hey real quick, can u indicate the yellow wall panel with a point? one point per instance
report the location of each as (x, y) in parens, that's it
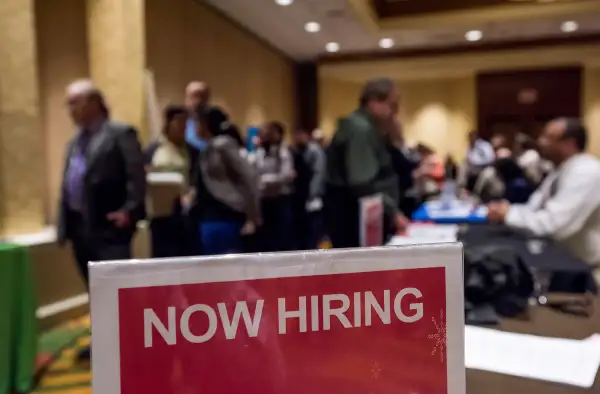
(591, 102)
(117, 56)
(62, 58)
(21, 140)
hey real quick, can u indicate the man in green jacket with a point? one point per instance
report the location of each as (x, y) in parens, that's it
(359, 165)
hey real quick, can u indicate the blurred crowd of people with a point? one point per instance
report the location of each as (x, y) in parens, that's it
(264, 195)
(273, 193)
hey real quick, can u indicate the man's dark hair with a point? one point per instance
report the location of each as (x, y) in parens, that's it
(277, 127)
(303, 131)
(170, 112)
(424, 149)
(215, 120)
(377, 89)
(233, 131)
(525, 142)
(574, 129)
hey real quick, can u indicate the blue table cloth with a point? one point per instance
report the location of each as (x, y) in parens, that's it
(477, 214)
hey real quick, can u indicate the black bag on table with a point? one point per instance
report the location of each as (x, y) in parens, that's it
(497, 282)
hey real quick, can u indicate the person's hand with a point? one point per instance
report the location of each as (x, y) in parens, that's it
(314, 205)
(497, 211)
(401, 223)
(188, 199)
(248, 228)
(464, 194)
(119, 218)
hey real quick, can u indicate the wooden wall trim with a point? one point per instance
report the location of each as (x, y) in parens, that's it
(499, 100)
(478, 47)
(307, 95)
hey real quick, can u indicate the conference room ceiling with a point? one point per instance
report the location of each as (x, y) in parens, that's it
(371, 26)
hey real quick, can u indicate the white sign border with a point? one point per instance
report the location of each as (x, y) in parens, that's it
(108, 277)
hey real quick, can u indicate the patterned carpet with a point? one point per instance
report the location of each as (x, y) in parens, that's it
(59, 371)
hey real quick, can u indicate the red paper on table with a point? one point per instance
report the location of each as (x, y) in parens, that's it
(364, 321)
(371, 220)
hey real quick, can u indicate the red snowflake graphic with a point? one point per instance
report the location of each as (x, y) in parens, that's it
(439, 336)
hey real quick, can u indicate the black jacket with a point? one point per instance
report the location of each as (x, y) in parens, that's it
(115, 180)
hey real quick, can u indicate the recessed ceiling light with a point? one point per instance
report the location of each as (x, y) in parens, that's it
(386, 43)
(312, 27)
(569, 26)
(474, 35)
(284, 2)
(332, 47)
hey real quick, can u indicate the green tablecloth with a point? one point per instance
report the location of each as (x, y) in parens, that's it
(18, 330)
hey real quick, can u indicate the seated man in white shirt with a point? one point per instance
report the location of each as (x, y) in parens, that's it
(566, 206)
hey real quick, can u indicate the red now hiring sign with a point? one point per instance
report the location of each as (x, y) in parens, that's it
(365, 321)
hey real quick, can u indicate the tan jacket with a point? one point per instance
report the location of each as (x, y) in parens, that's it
(229, 178)
(169, 157)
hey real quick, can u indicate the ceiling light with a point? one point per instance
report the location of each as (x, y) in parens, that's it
(474, 35)
(284, 2)
(312, 27)
(386, 43)
(569, 26)
(332, 47)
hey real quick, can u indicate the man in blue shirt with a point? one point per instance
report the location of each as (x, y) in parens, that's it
(197, 93)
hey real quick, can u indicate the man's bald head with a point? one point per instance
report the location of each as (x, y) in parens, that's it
(562, 138)
(196, 93)
(81, 87)
(86, 102)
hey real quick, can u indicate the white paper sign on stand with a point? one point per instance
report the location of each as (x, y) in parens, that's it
(354, 321)
(426, 233)
(438, 232)
(371, 220)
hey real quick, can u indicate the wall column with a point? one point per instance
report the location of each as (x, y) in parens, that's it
(307, 96)
(21, 140)
(117, 56)
(591, 106)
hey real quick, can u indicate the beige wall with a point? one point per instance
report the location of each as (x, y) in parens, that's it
(186, 41)
(21, 140)
(440, 112)
(62, 58)
(437, 112)
(440, 92)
